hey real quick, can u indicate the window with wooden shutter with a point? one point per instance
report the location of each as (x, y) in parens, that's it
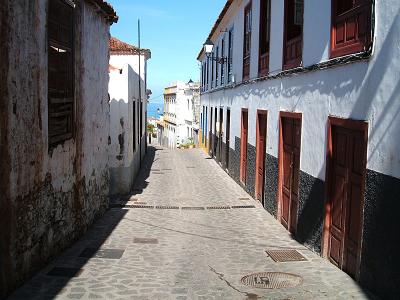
(293, 37)
(265, 17)
(216, 67)
(230, 54)
(247, 41)
(60, 71)
(351, 26)
(223, 64)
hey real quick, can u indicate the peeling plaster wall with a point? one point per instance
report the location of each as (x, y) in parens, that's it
(48, 198)
(124, 156)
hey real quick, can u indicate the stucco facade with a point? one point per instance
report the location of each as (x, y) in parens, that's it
(127, 117)
(363, 87)
(49, 197)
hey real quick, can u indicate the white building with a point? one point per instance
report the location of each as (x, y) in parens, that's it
(179, 113)
(305, 115)
(128, 106)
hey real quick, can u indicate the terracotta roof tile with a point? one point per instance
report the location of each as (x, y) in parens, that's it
(118, 47)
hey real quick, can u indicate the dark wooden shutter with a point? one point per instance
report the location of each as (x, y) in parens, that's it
(265, 14)
(60, 71)
(247, 41)
(293, 38)
(351, 26)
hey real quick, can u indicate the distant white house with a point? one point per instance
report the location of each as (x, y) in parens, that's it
(128, 106)
(180, 121)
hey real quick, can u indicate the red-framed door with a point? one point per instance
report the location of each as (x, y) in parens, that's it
(289, 169)
(243, 145)
(346, 171)
(261, 148)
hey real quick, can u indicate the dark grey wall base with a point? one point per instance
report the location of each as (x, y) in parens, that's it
(380, 259)
(271, 184)
(311, 211)
(251, 170)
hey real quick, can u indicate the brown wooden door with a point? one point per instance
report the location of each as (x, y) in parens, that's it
(210, 135)
(227, 137)
(220, 141)
(243, 146)
(347, 180)
(261, 147)
(291, 141)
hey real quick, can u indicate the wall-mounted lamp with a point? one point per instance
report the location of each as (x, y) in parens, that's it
(208, 49)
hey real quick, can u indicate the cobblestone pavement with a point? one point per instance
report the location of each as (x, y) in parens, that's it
(185, 252)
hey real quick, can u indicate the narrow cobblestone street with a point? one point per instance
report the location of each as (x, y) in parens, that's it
(187, 232)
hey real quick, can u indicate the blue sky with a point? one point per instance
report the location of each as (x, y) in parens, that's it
(174, 31)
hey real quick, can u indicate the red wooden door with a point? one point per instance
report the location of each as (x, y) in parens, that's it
(290, 164)
(347, 180)
(261, 147)
(243, 146)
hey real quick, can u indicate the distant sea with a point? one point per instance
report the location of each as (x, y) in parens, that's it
(152, 109)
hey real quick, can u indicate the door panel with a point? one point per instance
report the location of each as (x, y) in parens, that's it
(227, 136)
(243, 148)
(261, 148)
(347, 180)
(290, 164)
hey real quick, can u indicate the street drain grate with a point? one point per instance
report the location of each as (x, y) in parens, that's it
(138, 203)
(157, 173)
(190, 167)
(64, 272)
(139, 206)
(285, 255)
(244, 199)
(243, 206)
(166, 169)
(192, 208)
(272, 280)
(102, 253)
(145, 241)
(167, 207)
(218, 207)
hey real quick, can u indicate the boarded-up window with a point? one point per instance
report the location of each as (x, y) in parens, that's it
(60, 71)
(247, 41)
(293, 39)
(351, 26)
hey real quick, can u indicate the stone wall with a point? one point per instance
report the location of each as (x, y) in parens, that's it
(48, 198)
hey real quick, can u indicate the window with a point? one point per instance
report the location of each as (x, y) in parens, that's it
(351, 26)
(216, 68)
(293, 38)
(60, 72)
(223, 64)
(265, 17)
(230, 54)
(247, 41)
(212, 70)
(207, 72)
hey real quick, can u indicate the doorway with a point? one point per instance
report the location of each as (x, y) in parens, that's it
(210, 135)
(289, 169)
(243, 145)
(346, 172)
(261, 149)
(215, 133)
(227, 137)
(220, 135)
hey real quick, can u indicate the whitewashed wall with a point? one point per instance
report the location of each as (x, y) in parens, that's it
(124, 94)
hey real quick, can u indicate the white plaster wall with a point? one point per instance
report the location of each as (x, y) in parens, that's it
(124, 98)
(367, 90)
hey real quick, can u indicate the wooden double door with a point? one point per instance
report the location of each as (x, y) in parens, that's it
(347, 150)
(289, 169)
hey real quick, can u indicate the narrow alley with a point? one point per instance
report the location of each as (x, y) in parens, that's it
(188, 231)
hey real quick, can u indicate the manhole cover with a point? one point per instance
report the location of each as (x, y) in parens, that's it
(145, 241)
(285, 255)
(102, 253)
(64, 272)
(272, 280)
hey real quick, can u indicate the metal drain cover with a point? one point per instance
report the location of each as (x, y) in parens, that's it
(285, 255)
(272, 280)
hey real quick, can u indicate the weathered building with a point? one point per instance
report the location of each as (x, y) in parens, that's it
(300, 104)
(128, 106)
(54, 126)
